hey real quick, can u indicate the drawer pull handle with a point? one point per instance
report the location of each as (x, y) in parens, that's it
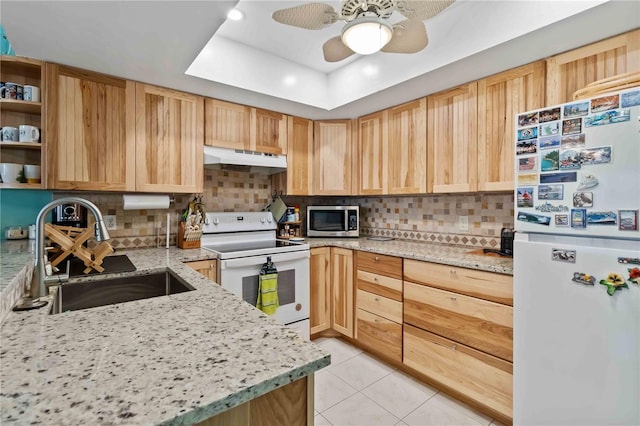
(454, 298)
(376, 299)
(453, 348)
(376, 258)
(375, 279)
(452, 271)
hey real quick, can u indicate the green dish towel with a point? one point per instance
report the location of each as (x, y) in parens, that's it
(268, 293)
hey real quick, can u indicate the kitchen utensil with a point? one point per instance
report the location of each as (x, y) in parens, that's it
(506, 243)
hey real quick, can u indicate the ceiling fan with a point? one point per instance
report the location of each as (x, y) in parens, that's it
(367, 29)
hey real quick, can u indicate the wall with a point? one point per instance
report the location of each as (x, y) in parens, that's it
(223, 191)
(20, 207)
(429, 218)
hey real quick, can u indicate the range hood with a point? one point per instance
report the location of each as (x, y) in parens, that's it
(238, 159)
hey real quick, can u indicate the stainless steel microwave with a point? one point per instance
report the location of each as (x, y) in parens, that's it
(333, 221)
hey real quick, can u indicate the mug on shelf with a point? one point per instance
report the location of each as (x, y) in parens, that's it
(32, 173)
(11, 173)
(31, 93)
(12, 91)
(29, 133)
(9, 134)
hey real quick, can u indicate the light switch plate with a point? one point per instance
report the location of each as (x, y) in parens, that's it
(110, 221)
(463, 223)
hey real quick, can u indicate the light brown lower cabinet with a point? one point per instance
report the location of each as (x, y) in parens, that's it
(484, 378)
(379, 335)
(320, 290)
(208, 268)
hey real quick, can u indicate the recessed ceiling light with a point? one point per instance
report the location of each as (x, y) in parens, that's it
(370, 70)
(235, 14)
(289, 80)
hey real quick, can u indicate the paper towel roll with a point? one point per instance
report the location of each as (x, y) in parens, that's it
(145, 202)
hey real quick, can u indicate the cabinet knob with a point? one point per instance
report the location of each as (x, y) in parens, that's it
(376, 299)
(377, 259)
(452, 271)
(453, 348)
(454, 298)
(375, 279)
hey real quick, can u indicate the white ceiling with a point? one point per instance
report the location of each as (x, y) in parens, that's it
(269, 65)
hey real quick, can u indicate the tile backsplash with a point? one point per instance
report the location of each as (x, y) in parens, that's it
(432, 218)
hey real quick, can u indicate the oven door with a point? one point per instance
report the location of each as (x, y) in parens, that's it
(240, 276)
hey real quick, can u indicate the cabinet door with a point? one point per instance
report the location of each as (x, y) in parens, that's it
(169, 140)
(208, 268)
(372, 143)
(320, 274)
(573, 70)
(342, 290)
(269, 131)
(453, 139)
(90, 135)
(407, 157)
(297, 179)
(227, 125)
(332, 157)
(500, 98)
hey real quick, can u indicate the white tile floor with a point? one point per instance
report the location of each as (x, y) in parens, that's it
(357, 389)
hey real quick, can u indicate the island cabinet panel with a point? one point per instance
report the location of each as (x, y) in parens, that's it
(332, 158)
(379, 304)
(208, 268)
(291, 404)
(484, 325)
(453, 139)
(297, 179)
(462, 370)
(407, 154)
(573, 70)
(90, 137)
(270, 131)
(169, 140)
(480, 284)
(320, 286)
(374, 154)
(500, 98)
(227, 125)
(342, 290)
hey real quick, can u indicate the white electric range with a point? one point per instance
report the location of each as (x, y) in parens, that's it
(243, 242)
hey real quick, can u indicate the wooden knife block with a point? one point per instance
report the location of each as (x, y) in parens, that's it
(70, 240)
(188, 241)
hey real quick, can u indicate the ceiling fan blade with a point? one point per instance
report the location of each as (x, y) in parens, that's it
(312, 16)
(423, 9)
(409, 36)
(335, 50)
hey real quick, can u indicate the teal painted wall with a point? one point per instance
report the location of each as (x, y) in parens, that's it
(19, 207)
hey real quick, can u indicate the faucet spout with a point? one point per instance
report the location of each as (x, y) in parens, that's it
(38, 286)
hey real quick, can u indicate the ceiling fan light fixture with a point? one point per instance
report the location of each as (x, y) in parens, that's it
(367, 35)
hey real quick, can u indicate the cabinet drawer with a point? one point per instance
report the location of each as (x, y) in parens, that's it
(483, 378)
(379, 334)
(380, 284)
(387, 308)
(380, 264)
(478, 323)
(482, 284)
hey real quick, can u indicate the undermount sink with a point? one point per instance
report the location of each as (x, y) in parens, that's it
(91, 294)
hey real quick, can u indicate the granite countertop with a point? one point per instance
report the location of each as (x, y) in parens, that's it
(438, 253)
(175, 359)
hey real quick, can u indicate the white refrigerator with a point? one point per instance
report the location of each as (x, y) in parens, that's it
(577, 263)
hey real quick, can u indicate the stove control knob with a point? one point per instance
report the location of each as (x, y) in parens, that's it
(216, 221)
(262, 220)
(268, 219)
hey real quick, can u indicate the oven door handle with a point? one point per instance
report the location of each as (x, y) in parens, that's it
(259, 260)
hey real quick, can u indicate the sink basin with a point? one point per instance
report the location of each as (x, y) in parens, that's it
(85, 295)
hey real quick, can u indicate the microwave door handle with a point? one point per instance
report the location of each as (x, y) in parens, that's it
(260, 260)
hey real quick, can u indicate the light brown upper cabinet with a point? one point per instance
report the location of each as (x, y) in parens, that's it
(500, 98)
(297, 179)
(169, 140)
(407, 151)
(333, 158)
(573, 70)
(374, 155)
(90, 128)
(453, 139)
(229, 125)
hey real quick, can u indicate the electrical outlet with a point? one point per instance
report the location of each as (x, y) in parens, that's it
(463, 223)
(110, 221)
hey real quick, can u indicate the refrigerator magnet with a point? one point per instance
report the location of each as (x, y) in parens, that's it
(602, 218)
(634, 276)
(528, 119)
(561, 219)
(614, 282)
(579, 109)
(605, 103)
(525, 197)
(583, 199)
(572, 126)
(628, 220)
(551, 114)
(630, 99)
(582, 278)
(551, 208)
(587, 181)
(578, 218)
(629, 260)
(534, 218)
(563, 255)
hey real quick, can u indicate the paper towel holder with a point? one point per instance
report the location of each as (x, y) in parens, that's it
(146, 201)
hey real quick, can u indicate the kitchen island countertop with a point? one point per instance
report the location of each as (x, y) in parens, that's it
(175, 359)
(465, 257)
